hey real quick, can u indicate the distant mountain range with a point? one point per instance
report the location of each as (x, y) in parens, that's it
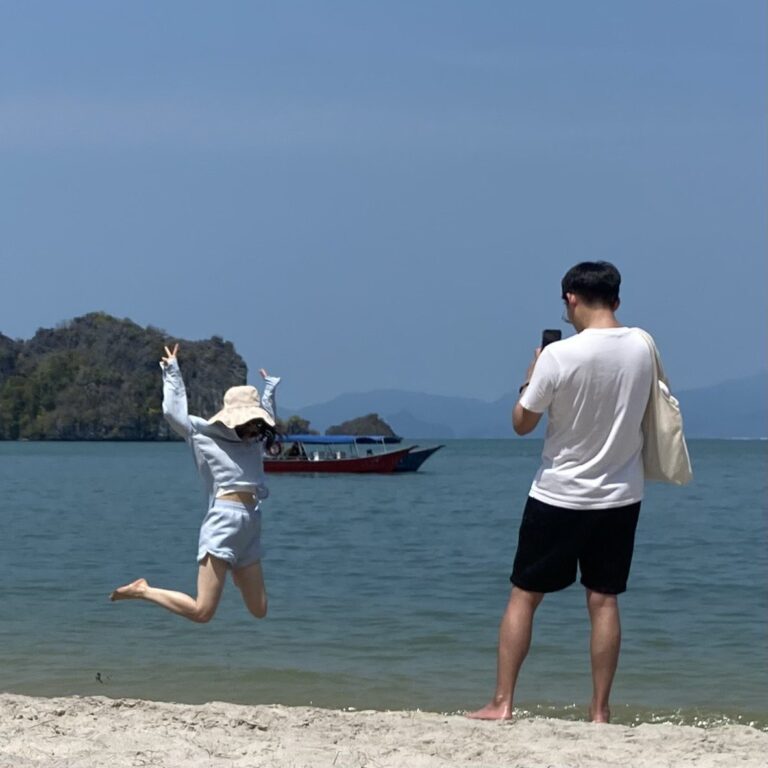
(734, 408)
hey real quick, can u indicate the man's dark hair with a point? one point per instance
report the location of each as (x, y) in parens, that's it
(597, 282)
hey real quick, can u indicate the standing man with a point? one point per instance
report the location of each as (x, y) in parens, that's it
(585, 498)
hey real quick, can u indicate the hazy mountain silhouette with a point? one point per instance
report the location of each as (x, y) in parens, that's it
(734, 408)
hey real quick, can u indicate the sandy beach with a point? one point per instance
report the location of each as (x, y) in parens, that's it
(95, 732)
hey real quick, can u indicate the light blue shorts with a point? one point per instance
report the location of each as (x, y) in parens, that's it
(231, 531)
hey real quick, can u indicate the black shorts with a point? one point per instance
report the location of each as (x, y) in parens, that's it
(553, 540)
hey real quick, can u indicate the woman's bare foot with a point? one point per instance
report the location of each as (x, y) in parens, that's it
(133, 591)
(492, 711)
(602, 715)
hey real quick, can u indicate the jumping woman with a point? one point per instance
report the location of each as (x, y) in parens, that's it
(228, 450)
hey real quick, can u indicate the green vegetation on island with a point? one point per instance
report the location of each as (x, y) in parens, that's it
(372, 424)
(294, 425)
(97, 378)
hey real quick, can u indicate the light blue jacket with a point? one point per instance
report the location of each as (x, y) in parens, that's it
(222, 458)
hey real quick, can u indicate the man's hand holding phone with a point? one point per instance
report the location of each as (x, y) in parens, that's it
(550, 335)
(547, 337)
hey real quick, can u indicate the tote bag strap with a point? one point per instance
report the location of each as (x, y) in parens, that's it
(657, 364)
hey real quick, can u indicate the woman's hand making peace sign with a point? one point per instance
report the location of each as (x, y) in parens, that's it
(170, 355)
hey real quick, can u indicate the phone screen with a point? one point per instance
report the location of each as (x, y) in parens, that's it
(550, 335)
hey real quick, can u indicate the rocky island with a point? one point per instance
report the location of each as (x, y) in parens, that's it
(97, 378)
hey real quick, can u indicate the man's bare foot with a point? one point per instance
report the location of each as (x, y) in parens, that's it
(492, 711)
(133, 591)
(602, 715)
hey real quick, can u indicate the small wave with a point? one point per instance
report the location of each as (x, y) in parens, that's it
(634, 716)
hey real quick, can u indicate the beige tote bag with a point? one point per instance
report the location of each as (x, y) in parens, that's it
(665, 454)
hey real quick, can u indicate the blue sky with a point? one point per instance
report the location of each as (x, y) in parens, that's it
(366, 195)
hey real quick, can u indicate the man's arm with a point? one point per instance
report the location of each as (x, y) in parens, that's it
(523, 420)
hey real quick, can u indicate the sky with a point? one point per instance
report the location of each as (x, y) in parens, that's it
(365, 195)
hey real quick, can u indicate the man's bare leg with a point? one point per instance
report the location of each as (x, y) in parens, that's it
(250, 582)
(210, 583)
(514, 641)
(604, 649)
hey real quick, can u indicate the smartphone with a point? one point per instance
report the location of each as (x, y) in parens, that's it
(550, 335)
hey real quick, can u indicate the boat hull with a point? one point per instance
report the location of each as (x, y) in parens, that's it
(381, 463)
(415, 458)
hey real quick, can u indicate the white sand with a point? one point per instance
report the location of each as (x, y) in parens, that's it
(116, 733)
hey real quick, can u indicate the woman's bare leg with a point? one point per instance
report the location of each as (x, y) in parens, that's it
(250, 582)
(210, 583)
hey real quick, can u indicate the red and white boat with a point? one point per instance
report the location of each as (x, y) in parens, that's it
(343, 453)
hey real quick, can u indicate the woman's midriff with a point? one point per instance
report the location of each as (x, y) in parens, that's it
(243, 497)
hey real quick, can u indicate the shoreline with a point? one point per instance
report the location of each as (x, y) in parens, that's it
(86, 732)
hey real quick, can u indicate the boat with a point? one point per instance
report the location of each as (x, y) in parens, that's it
(333, 453)
(344, 453)
(415, 458)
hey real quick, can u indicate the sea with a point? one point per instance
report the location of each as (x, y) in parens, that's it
(385, 591)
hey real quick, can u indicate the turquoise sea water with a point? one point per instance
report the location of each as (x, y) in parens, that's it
(385, 591)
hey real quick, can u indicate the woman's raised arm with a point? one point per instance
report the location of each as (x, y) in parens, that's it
(175, 394)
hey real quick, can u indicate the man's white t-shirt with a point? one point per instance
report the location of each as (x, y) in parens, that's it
(595, 387)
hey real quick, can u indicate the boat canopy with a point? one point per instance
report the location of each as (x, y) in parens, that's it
(339, 439)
